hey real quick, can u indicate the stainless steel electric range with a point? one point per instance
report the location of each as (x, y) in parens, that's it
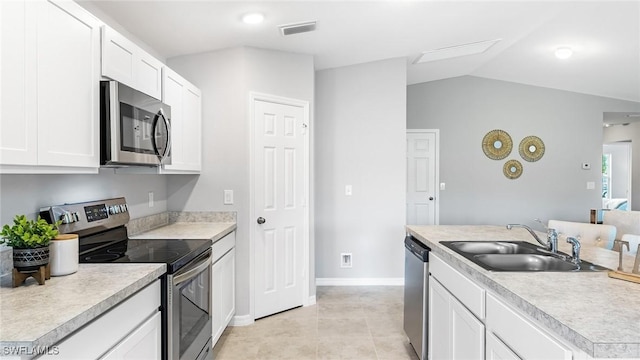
(186, 287)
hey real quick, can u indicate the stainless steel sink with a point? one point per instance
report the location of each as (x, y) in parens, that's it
(525, 262)
(493, 247)
(516, 256)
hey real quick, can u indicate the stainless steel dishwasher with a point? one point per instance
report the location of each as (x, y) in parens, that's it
(416, 281)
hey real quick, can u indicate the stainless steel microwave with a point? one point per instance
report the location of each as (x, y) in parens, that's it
(135, 128)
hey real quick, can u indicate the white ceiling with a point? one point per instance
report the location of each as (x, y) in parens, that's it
(605, 36)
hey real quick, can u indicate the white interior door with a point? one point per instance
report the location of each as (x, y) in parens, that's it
(422, 177)
(280, 234)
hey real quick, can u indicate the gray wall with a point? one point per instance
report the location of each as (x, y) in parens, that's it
(629, 133)
(226, 78)
(466, 108)
(360, 141)
(25, 194)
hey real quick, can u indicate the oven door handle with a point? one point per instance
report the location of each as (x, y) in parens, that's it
(194, 271)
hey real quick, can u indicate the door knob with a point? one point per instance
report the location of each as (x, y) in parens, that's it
(431, 198)
(261, 220)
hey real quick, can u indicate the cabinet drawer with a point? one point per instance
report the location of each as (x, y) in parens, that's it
(222, 246)
(520, 334)
(466, 291)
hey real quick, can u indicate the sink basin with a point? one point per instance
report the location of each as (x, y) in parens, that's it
(516, 256)
(525, 262)
(492, 247)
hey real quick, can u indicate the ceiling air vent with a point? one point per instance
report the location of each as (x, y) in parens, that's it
(297, 28)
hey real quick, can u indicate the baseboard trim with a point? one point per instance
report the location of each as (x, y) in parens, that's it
(241, 320)
(310, 301)
(359, 281)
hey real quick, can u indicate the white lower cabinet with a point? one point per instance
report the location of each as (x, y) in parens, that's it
(462, 314)
(521, 335)
(454, 332)
(497, 350)
(145, 343)
(223, 284)
(131, 330)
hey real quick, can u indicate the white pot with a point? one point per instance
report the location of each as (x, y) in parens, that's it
(63, 254)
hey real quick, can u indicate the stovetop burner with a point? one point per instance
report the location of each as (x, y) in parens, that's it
(173, 252)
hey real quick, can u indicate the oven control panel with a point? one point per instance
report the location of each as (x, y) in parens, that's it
(80, 217)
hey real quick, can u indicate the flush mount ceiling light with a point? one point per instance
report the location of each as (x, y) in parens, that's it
(563, 52)
(252, 18)
(456, 51)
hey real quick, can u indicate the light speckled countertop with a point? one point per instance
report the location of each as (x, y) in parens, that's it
(41, 315)
(189, 230)
(595, 313)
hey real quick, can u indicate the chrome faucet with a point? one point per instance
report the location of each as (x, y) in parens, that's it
(575, 249)
(552, 237)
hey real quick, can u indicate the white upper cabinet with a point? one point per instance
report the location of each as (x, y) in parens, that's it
(124, 61)
(185, 101)
(49, 95)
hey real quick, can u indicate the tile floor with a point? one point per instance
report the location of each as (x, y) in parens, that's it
(356, 323)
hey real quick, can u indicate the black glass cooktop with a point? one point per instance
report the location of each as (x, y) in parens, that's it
(173, 252)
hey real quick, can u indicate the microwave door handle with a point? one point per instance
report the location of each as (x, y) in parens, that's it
(167, 150)
(163, 156)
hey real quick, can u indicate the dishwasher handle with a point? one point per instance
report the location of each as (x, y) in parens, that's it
(417, 248)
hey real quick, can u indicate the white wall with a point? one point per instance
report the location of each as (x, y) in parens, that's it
(629, 133)
(361, 141)
(620, 172)
(477, 192)
(226, 77)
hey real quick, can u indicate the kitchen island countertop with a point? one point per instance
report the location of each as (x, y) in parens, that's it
(595, 313)
(35, 315)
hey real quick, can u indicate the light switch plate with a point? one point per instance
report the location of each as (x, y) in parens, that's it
(228, 197)
(442, 186)
(591, 185)
(348, 190)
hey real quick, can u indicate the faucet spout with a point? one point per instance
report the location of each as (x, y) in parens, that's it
(552, 237)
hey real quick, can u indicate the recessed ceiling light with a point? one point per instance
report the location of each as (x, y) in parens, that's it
(564, 52)
(456, 51)
(252, 18)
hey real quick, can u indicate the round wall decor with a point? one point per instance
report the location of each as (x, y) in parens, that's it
(497, 144)
(531, 148)
(512, 169)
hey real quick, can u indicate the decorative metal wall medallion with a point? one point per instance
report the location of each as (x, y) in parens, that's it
(497, 144)
(512, 169)
(531, 148)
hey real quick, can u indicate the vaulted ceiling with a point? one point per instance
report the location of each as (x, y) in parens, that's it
(604, 35)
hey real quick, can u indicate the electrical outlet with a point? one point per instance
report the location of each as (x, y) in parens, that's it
(150, 199)
(346, 260)
(348, 190)
(228, 197)
(591, 185)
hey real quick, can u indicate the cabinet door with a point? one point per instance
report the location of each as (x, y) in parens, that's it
(497, 350)
(223, 285)
(143, 343)
(124, 61)
(68, 47)
(454, 332)
(18, 126)
(467, 333)
(439, 321)
(186, 122)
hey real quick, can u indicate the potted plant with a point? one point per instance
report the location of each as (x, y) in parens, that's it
(30, 241)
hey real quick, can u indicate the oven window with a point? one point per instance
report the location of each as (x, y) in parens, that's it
(194, 308)
(136, 127)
